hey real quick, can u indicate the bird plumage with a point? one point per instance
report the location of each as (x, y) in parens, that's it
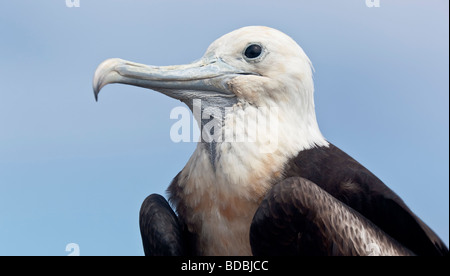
(268, 145)
(348, 181)
(297, 217)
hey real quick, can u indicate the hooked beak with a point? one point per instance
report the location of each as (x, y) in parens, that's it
(205, 78)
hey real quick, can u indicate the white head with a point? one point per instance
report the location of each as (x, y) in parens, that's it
(274, 61)
(250, 68)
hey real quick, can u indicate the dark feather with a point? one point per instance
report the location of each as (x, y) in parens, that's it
(298, 218)
(161, 232)
(348, 181)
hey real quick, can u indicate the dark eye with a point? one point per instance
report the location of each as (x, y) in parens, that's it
(253, 51)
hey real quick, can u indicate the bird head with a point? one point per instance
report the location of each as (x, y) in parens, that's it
(252, 66)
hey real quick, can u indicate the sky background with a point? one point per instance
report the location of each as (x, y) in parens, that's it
(73, 170)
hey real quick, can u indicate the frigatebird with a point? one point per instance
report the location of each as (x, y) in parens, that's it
(284, 189)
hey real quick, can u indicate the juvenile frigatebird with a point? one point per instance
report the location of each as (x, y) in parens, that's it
(285, 190)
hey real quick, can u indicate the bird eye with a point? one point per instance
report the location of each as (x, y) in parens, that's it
(253, 51)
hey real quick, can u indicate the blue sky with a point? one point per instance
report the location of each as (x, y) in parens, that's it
(76, 171)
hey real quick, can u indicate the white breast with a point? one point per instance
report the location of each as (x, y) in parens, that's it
(219, 204)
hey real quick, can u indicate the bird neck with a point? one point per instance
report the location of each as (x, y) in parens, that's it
(250, 156)
(248, 146)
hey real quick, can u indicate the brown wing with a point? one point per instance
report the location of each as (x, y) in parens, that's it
(161, 232)
(349, 182)
(298, 218)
